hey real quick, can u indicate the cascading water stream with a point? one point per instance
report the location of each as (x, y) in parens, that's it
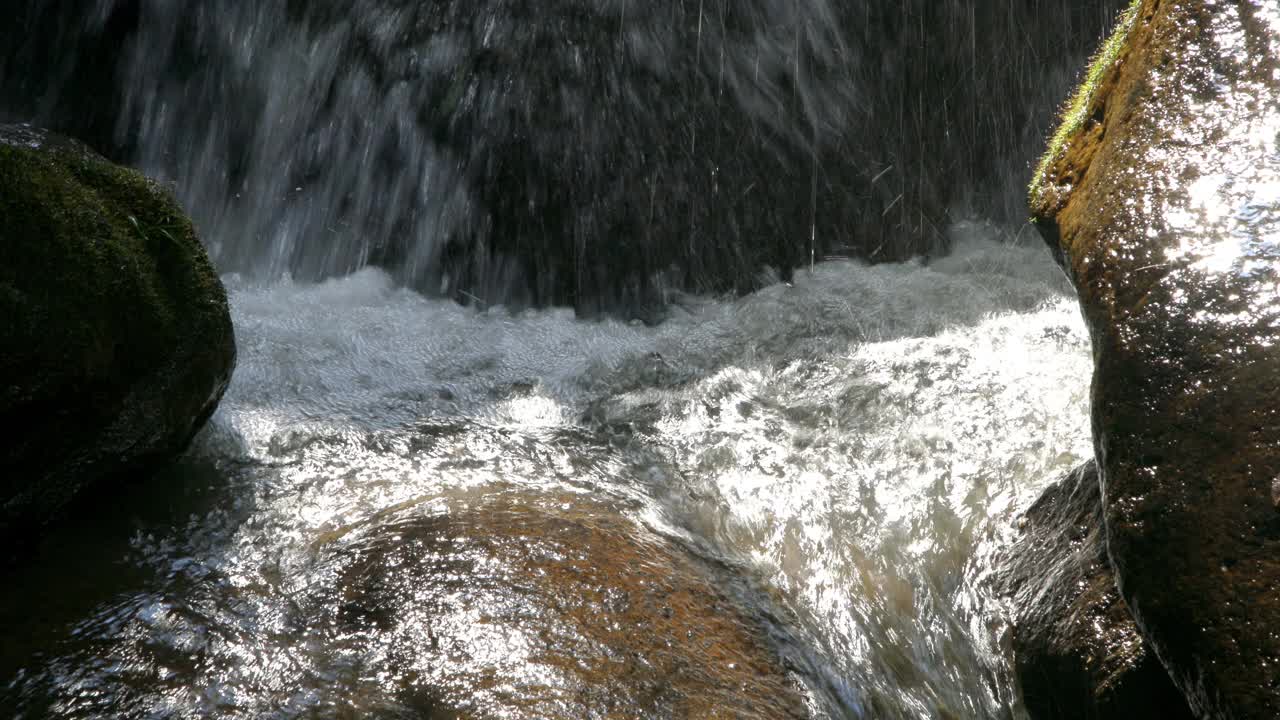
(858, 462)
(843, 455)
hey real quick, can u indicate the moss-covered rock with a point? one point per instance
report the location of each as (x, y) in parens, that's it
(1077, 651)
(1162, 200)
(115, 336)
(1076, 112)
(502, 603)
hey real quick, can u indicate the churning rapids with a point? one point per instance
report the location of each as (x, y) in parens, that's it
(849, 452)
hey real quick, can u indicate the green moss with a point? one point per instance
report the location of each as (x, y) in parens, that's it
(115, 337)
(72, 220)
(1076, 111)
(62, 234)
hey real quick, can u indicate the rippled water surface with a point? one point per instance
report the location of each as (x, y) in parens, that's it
(833, 463)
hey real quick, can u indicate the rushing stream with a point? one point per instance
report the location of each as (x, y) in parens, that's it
(769, 504)
(849, 452)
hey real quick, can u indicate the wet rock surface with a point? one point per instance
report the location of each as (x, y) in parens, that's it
(1164, 204)
(1077, 650)
(510, 604)
(115, 338)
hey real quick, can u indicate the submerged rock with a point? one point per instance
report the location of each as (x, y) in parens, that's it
(115, 337)
(1077, 650)
(1161, 195)
(504, 604)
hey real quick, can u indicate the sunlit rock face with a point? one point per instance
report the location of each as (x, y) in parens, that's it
(509, 604)
(1165, 202)
(1077, 649)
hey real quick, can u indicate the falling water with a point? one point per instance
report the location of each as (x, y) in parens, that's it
(842, 455)
(597, 153)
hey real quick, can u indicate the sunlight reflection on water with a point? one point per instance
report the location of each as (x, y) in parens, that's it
(842, 456)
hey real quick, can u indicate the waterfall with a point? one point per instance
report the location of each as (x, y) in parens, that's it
(599, 153)
(865, 366)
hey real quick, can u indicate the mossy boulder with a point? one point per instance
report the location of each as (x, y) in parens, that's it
(1161, 198)
(505, 603)
(115, 336)
(1077, 651)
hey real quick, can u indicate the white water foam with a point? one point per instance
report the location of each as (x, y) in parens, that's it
(858, 442)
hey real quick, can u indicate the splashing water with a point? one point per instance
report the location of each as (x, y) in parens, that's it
(848, 451)
(585, 152)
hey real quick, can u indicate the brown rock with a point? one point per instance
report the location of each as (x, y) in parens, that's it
(1162, 198)
(510, 605)
(1078, 653)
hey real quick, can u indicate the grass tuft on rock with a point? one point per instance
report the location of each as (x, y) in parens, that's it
(1076, 110)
